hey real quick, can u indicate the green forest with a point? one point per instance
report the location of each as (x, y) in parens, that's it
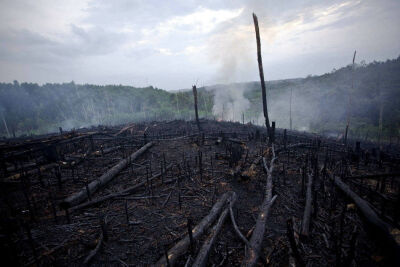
(317, 103)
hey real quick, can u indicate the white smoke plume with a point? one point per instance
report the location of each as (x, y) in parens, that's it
(229, 102)
(232, 48)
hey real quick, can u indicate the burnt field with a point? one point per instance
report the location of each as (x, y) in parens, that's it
(163, 193)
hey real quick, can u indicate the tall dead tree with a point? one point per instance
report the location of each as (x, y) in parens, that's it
(195, 107)
(380, 119)
(349, 103)
(260, 68)
(290, 108)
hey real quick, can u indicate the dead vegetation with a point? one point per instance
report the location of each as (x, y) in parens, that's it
(220, 197)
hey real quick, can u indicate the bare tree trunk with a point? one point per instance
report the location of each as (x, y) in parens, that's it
(195, 107)
(380, 120)
(290, 109)
(349, 103)
(305, 224)
(5, 124)
(177, 105)
(260, 68)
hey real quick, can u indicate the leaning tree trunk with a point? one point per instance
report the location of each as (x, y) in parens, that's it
(82, 195)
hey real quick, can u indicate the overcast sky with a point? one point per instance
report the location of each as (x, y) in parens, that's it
(174, 44)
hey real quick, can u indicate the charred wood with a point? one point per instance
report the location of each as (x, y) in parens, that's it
(82, 195)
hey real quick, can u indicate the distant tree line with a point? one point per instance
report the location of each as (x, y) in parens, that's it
(319, 103)
(29, 108)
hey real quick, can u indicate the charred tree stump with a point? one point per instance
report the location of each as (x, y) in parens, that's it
(273, 133)
(195, 107)
(190, 233)
(305, 224)
(285, 140)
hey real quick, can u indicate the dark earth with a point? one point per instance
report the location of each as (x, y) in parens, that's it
(38, 173)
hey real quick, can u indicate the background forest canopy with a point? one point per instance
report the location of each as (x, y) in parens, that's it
(318, 103)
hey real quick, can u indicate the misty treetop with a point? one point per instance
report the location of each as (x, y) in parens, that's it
(318, 103)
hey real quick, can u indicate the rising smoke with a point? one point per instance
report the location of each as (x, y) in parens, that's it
(232, 48)
(229, 101)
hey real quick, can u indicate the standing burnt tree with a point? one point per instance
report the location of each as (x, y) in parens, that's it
(349, 103)
(195, 107)
(263, 90)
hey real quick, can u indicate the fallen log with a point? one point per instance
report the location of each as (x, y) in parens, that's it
(32, 172)
(299, 145)
(71, 137)
(126, 128)
(259, 230)
(236, 141)
(378, 228)
(94, 251)
(82, 195)
(179, 249)
(202, 256)
(23, 167)
(374, 176)
(305, 224)
(106, 151)
(235, 226)
(103, 238)
(124, 192)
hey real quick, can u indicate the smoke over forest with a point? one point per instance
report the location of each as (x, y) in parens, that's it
(318, 103)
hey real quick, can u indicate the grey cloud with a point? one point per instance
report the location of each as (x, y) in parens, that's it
(111, 34)
(23, 46)
(95, 41)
